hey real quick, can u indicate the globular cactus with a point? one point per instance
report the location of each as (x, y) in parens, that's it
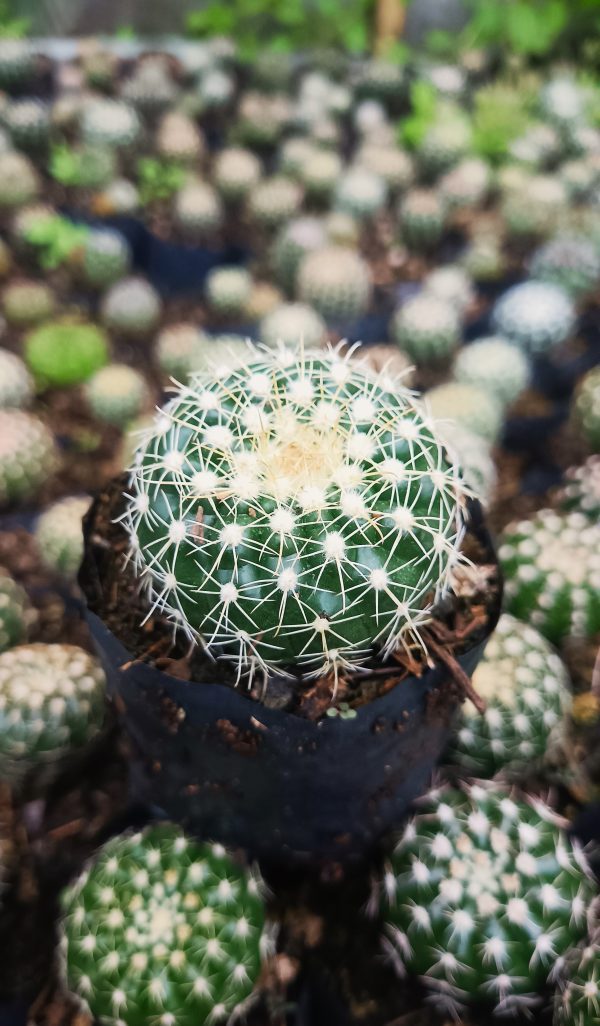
(16, 386)
(535, 209)
(106, 258)
(17, 62)
(569, 262)
(198, 209)
(483, 257)
(577, 1001)
(342, 229)
(537, 147)
(469, 406)
(178, 139)
(263, 299)
(119, 197)
(445, 142)
(51, 702)
(579, 178)
(383, 80)
(227, 290)
(586, 412)
(293, 154)
(361, 193)
(215, 89)
(474, 456)
(451, 283)
(336, 282)
(260, 119)
(562, 102)
(15, 611)
(28, 123)
(526, 690)
(483, 897)
(274, 200)
(535, 315)
(150, 89)
(427, 328)
(259, 487)
(291, 325)
(179, 349)
(27, 302)
(64, 353)
(391, 163)
(552, 568)
(581, 490)
(422, 217)
(466, 185)
(163, 929)
(28, 455)
(117, 393)
(19, 182)
(448, 80)
(110, 123)
(320, 172)
(295, 239)
(131, 307)
(59, 535)
(495, 365)
(235, 173)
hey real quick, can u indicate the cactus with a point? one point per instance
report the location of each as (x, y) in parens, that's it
(27, 302)
(119, 197)
(16, 386)
(15, 611)
(483, 258)
(469, 406)
(422, 216)
(197, 209)
(295, 239)
(445, 142)
(391, 163)
(552, 567)
(473, 455)
(150, 89)
(28, 124)
(569, 262)
(319, 174)
(178, 139)
(235, 173)
(466, 185)
(577, 1001)
(110, 123)
(131, 307)
(16, 62)
(452, 284)
(586, 412)
(537, 147)
(294, 153)
(216, 89)
(342, 229)
(51, 701)
(293, 324)
(260, 119)
(360, 193)
(28, 455)
(179, 350)
(283, 463)
(273, 201)
(535, 315)
(581, 490)
(483, 896)
(495, 365)
(562, 102)
(59, 535)
(427, 328)
(336, 282)
(263, 299)
(163, 929)
(227, 290)
(106, 258)
(64, 353)
(536, 207)
(382, 80)
(19, 183)
(526, 688)
(578, 178)
(117, 393)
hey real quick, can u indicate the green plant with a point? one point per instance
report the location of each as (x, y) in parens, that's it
(64, 353)
(109, 123)
(28, 123)
(164, 929)
(466, 185)
(198, 209)
(483, 896)
(452, 284)
(272, 514)
(57, 240)
(526, 690)
(87, 167)
(15, 611)
(535, 315)
(501, 113)
(15, 59)
(273, 201)
(469, 406)
(28, 456)
(494, 365)
(424, 104)
(117, 393)
(59, 535)
(158, 179)
(581, 490)
(427, 328)
(294, 240)
(236, 171)
(360, 193)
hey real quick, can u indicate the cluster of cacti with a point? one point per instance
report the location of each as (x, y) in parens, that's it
(535, 315)
(28, 455)
(59, 535)
(427, 328)
(336, 281)
(483, 897)
(117, 393)
(570, 262)
(179, 349)
(131, 307)
(27, 302)
(526, 690)
(581, 489)
(282, 463)
(106, 258)
(63, 353)
(16, 386)
(494, 365)
(587, 408)
(293, 325)
(15, 611)
(164, 929)
(422, 215)
(227, 290)
(467, 405)
(552, 568)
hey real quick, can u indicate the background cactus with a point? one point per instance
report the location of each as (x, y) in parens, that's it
(390, 162)
(17, 62)
(117, 393)
(197, 209)
(483, 895)
(320, 172)
(27, 302)
(422, 216)
(293, 324)
(452, 283)
(427, 328)
(227, 290)
(131, 307)
(581, 489)
(16, 386)
(28, 123)
(536, 315)
(569, 262)
(235, 173)
(468, 406)
(273, 201)
(360, 193)
(109, 123)
(28, 455)
(552, 568)
(59, 535)
(179, 349)
(474, 457)
(336, 282)
(19, 183)
(494, 365)
(63, 353)
(268, 479)
(295, 239)
(106, 258)
(162, 928)
(526, 688)
(587, 408)
(15, 611)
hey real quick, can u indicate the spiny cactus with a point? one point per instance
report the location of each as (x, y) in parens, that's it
(110, 123)
(451, 283)
(131, 307)
(17, 62)
(28, 455)
(15, 611)
(106, 258)
(119, 197)
(536, 315)
(150, 89)
(562, 101)
(117, 393)
(466, 185)
(228, 289)
(422, 216)
(293, 324)
(494, 365)
(260, 119)
(361, 193)
(526, 688)
(570, 262)
(179, 350)
(445, 142)
(197, 209)
(273, 201)
(474, 457)
(27, 302)
(536, 207)
(263, 299)
(427, 328)
(581, 490)
(552, 568)
(383, 80)
(178, 139)
(235, 172)
(259, 487)
(320, 172)
(51, 701)
(295, 239)
(579, 178)
(483, 896)
(164, 929)
(336, 281)
(577, 1000)
(467, 405)
(19, 183)
(483, 258)
(294, 153)
(537, 147)
(216, 88)
(16, 386)
(64, 353)
(587, 408)
(28, 122)
(59, 535)
(394, 165)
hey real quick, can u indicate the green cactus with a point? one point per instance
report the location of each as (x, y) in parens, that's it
(474, 456)
(468, 406)
(581, 490)
(117, 393)
(163, 929)
(16, 386)
(336, 282)
(64, 353)
(577, 1000)
(215, 89)
(179, 350)
(28, 456)
(198, 209)
(28, 123)
(235, 173)
(82, 167)
(586, 410)
(283, 463)
(51, 701)
(483, 258)
(106, 258)
(361, 193)
(427, 328)
(495, 365)
(19, 183)
(552, 568)
(571, 263)
(294, 240)
(292, 324)
(537, 147)
(294, 153)
(535, 315)
(27, 302)
(383, 80)
(131, 307)
(109, 124)
(273, 201)
(15, 611)
(17, 62)
(445, 141)
(483, 896)
(59, 535)
(227, 290)
(422, 217)
(526, 688)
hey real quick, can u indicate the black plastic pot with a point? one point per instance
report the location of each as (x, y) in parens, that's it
(278, 785)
